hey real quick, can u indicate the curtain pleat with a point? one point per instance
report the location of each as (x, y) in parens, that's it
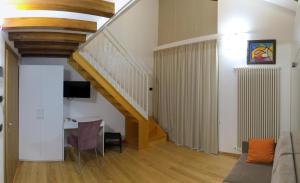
(185, 95)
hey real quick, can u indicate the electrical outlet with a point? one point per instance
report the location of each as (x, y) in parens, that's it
(40, 114)
(237, 149)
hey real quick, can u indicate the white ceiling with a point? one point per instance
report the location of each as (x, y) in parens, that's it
(289, 4)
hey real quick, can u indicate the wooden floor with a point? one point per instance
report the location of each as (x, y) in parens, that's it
(164, 163)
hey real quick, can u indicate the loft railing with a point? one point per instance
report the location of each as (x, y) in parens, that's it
(124, 9)
(110, 58)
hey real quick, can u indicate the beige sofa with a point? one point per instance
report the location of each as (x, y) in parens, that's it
(285, 168)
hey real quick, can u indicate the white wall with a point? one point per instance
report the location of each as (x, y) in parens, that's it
(239, 21)
(97, 105)
(295, 82)
(119, 4)
(137, 31)
(180, 20)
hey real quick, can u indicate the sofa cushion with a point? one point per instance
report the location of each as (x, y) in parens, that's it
(284, 146)
(283, 168)
(249, 173)
(297, 166)
(296, 149)
(285, 171)
(296, 141)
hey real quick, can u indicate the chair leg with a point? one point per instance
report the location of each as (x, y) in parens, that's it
(96, 152)
(79, 159)
(120, 144)
(78, 162)
(97, 159)
(65, 154)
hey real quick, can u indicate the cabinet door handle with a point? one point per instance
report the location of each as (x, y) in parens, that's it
(10, 124)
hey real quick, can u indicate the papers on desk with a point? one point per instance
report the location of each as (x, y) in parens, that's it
(88, 119)
(70, 124)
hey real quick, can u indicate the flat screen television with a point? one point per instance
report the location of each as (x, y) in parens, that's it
(77, 89)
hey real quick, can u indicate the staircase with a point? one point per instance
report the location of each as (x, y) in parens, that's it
(140, 131)
(114, 72)
(156, 134)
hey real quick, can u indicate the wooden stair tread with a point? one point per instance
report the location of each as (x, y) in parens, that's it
(157, 132)
(157, 136)
(152, 126)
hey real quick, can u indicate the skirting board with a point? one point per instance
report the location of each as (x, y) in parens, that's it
(230, 154)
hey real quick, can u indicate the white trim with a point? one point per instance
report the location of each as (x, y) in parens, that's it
(288, 4)
(188, 41)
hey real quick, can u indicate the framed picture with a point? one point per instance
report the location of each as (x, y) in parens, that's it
(262, 52)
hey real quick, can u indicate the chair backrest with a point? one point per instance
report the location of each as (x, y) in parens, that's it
(88, 134)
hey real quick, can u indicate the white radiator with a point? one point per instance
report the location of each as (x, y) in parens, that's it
(258, 103)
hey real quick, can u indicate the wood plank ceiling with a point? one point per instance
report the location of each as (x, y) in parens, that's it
(54, 37)
(92, 7)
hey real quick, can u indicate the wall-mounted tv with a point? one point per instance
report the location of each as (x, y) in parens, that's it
(77, 89)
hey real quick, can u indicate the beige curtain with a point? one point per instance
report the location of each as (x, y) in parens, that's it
(185, 95)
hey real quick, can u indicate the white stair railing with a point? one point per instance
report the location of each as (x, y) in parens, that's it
(118, 67)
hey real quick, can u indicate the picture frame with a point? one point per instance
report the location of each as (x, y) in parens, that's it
(261, 52)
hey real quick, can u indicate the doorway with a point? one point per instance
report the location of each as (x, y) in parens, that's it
(11, 113)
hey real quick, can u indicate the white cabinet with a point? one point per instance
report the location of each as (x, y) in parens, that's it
(41, 113)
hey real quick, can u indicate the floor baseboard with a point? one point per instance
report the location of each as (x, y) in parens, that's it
(235, 155)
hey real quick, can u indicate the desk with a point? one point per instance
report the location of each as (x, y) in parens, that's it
(70, 126)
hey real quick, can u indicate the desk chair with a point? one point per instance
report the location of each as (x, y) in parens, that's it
(86, 138)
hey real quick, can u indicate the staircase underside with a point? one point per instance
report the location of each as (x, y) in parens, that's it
(139, 131)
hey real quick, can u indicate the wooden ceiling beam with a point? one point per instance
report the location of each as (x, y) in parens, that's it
(47, 37)
(47, 55)
(27, 50)
(45, 46)
(49, 24)
(50, 52)
(91, 7)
